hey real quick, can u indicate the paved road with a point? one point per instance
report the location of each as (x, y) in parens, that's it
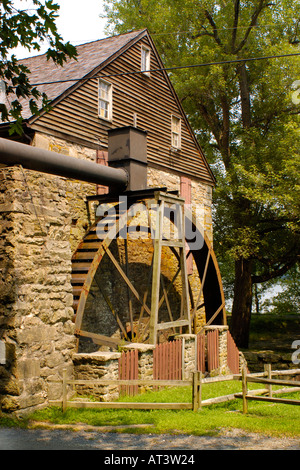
(59, 439)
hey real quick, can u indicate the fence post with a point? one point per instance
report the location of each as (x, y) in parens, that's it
(182, 358)
(268, 373)
(200, 388)
(188, 361)
(194, 389)
(197, 390)
(64, 390)
(244, 389)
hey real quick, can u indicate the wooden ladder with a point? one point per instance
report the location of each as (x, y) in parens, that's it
(163, 201)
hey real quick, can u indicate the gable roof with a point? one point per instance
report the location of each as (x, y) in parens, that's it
(60, 82)
(55, 79)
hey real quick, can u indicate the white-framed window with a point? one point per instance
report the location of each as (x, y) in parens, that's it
(176, 132)
(145, 60)
(105, 100)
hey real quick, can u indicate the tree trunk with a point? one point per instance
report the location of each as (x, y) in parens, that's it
(245, 95)
(256, 298)
(242, 303)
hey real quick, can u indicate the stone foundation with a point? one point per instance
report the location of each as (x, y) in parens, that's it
(104, 366)
(223, 367)
(96, 366)
(36, 295)
(42, 220)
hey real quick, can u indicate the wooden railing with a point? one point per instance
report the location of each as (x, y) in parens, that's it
(246, 378)
(169, 363)
(201, 352)
(65, 403)
(196, 383)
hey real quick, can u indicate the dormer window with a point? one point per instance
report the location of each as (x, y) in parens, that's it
(176, 132)
(105, 100)
(145, 60)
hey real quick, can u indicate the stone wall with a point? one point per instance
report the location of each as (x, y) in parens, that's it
(42, 219)
(279, 359)
(36, 312)
(97, 366)
(222, 331)
(81, 216)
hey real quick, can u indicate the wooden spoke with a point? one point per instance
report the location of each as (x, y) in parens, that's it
(169, 287)
(128, 290)
(189, 285)
(166, 297)
(100, 339)
(146, 292)
(201, 287)
(214, 316)
(106, 298)
(123, 275)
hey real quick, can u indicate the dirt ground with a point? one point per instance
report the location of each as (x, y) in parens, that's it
(82, 437)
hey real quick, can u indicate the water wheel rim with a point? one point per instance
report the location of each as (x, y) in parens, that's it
(205, 260)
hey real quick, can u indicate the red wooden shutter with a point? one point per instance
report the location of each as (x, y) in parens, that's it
(102, 159)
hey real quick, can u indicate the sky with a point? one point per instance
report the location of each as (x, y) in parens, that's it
(78, 22)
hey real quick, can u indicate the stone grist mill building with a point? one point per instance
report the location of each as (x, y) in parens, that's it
(105, 222)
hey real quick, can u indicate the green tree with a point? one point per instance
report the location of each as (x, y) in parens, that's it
(27, 28)
(246, 117)
(287, 300)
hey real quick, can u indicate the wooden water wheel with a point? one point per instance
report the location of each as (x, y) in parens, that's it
(114, 273)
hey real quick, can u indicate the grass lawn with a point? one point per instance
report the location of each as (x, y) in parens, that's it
(269, 418)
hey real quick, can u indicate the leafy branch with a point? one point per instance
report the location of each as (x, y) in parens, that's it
(27, 28)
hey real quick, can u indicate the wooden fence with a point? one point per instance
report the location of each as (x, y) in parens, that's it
(201, 353)
(233, 355)
(167, 361)
(212, 350)
(196, 383)
(167, 365)
(129, 370)
(246, 378)
(196, 396)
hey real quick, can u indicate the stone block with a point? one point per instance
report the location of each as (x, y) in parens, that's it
(9, 386)
(2, 353)
(28, 368)
(9, 404)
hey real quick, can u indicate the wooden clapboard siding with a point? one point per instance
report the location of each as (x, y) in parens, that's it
(153, 99)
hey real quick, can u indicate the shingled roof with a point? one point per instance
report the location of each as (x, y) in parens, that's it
(90, 56)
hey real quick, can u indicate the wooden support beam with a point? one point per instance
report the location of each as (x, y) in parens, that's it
(99, 339)
(161, 200)
(286, 401)
(172, 324)
(156, 275)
